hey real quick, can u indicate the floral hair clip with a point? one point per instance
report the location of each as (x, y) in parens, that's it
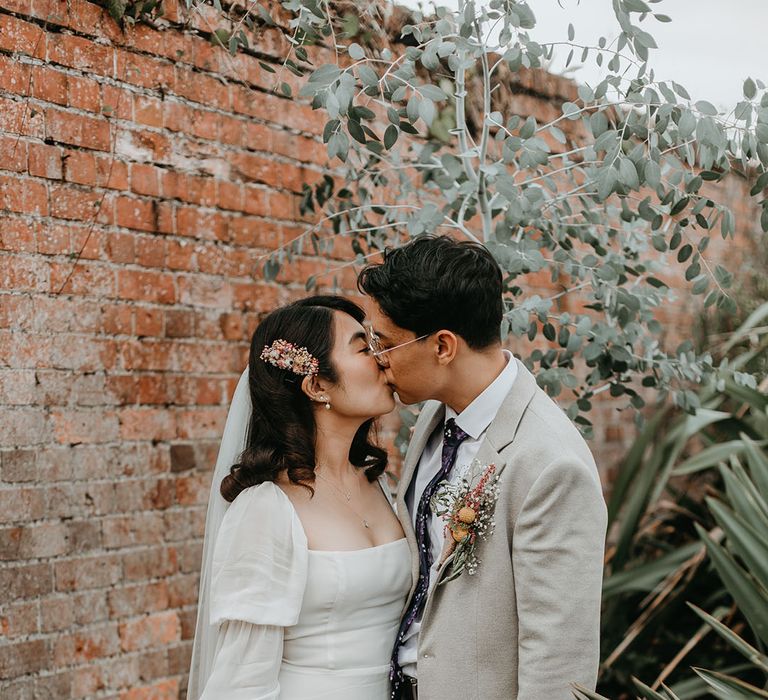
(286, 355)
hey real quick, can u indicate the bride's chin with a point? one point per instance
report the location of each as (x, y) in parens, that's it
(386, 407)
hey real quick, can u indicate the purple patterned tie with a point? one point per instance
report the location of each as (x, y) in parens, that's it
(453, 436)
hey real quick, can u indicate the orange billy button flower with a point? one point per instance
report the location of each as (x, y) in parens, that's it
(459, 533)
(468, 512)
(467, 515)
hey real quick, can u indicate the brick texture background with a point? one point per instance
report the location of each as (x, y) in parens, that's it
(170, 168)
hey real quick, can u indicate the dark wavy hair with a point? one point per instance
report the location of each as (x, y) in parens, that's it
(437, 283)
(282, 430)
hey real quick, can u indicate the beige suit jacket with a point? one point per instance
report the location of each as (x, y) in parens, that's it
(526, 624)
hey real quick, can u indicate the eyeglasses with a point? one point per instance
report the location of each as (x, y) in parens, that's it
(379, 351)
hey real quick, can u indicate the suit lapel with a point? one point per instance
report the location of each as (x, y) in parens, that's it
(431, 416)
(502, 430)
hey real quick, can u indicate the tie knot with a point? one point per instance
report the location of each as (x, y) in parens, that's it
(453, 435)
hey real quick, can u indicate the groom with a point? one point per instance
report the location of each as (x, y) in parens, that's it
(525, 624)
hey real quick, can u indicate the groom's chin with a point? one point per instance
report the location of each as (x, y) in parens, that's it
(405, 400)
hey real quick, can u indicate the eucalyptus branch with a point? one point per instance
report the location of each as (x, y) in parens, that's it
(482, 192)
(332, 216)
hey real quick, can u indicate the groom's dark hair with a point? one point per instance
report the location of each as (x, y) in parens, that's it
(437, 283)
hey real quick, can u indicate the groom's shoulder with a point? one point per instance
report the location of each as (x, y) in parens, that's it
(546, 429)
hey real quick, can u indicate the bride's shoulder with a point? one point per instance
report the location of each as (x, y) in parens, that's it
(264, 510)
(260, 560)
(266, 494)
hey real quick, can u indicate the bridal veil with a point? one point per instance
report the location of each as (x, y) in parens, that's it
(233, 443)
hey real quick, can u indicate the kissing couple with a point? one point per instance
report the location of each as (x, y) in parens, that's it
(481, 581)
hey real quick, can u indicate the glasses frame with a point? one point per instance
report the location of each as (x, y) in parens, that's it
(374, 343)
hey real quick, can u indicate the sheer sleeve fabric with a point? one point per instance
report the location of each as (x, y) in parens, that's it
(259, 575)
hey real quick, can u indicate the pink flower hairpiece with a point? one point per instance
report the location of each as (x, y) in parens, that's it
(286, 355)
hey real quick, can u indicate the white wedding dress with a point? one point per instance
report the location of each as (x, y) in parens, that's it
(294, 623)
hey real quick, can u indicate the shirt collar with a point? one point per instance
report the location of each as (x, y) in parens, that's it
(475, 418)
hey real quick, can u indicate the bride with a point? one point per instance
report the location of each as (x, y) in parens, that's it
(305, 567)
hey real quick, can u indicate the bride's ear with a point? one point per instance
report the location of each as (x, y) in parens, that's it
(315, 388)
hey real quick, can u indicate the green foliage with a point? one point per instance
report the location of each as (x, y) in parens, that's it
(689, 515)
(132, 11)
(600, 199)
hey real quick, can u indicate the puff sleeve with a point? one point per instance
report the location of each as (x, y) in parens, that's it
(259, 575)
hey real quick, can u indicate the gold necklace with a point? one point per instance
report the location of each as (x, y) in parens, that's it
(348, 496)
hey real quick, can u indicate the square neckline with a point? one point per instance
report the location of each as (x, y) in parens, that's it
(338, 551)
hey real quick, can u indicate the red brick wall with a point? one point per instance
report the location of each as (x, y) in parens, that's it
(166, 168)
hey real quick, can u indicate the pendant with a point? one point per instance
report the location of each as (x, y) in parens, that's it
(365, 522)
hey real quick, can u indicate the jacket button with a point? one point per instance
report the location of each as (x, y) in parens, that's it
(426, 656)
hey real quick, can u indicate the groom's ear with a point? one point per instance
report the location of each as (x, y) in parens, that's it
(446, 346)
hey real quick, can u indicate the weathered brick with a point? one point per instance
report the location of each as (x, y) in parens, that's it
(181, 255)
(146, 71)
(24, 273)
(156, 629)
(13, 154)
(48, 84)
(87, 645)
(137, 214)
(182, 457)
(179, 323)
(79, 500)
(145, 179)
(16, 35)
(45, 161)
(180, 655)
(210, 292)
(159, 690)
(26, 581)
(83, 93)
(70, 610)
(183, 589)
(17, 235)
(81, 53)
(79, 204)
(116, 102)
(148, 110)
(20, 619)
(31, 198)
(88, 572)
(82, 278)
(19, 658)
(77, 129)
(193, 489)
(44, 540)
(148, 322)
(137, 599)
(147, 424)
(146, 286)
(23, 426)
(144, 494)
(151, 251)
(19, 465)
(150, 564)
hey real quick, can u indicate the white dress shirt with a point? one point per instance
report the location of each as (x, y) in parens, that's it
(473, 420)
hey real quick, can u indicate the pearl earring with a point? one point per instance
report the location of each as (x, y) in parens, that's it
(327, 405)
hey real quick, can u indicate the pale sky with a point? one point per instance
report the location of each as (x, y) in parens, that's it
(710, 47)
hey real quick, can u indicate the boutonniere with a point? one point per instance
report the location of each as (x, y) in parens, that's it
(468, 514)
